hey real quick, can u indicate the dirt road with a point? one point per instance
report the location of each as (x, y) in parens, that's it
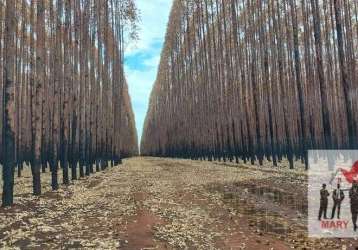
(153, 203)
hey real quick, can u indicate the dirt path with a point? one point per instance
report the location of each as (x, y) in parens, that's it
(152, 203)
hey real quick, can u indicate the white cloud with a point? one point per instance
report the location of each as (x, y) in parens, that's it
(152, 61)
(141, 70)
(154, 18)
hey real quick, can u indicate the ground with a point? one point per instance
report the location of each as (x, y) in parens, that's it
(158, 203)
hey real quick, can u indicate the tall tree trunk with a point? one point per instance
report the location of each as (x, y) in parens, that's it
(39, 86)
(67, 94)
(346, 85)
(9, 106)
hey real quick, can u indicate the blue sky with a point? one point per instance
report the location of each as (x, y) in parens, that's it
(142, 59)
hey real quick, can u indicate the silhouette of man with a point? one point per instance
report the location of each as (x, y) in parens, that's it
(353, 194)
(323, 202)
(338, 197)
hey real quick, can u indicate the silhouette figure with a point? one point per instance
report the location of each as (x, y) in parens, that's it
(353, 194)
(338, 197)
(323, 202)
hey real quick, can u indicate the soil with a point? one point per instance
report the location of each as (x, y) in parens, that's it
(158, 203)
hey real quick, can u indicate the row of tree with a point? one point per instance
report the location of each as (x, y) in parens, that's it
(241, 79)
(64, 97)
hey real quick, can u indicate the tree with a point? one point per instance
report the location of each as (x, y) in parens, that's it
(58, 59)
(9, 106)
(254, 80)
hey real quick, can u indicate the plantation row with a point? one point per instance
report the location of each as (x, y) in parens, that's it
(255, 79)
(64, 96)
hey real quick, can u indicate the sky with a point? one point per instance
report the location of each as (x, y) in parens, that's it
(142, 60)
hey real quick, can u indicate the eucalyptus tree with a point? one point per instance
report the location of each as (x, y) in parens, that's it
(66, 101)
(8, 105)
(254, 80)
